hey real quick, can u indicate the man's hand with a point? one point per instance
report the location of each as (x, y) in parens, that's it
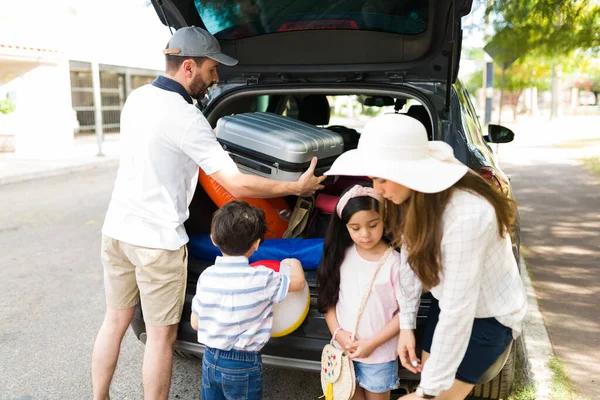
(308, 183)
(406, 351)
(362, 348)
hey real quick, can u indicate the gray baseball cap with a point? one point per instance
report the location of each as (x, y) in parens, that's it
(192, 41)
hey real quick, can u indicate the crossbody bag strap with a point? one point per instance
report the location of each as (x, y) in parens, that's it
(363, 303)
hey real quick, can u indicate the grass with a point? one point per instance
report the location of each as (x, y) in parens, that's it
(521, 390)
(562, 386)
(592, 163)
(579, 143)
(524, 393)
(525, 252)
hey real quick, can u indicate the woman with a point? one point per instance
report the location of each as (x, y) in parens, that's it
(453, 231)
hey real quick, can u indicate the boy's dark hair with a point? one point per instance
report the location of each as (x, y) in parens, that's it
(236, 226)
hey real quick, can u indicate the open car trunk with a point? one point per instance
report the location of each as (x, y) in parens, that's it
(313, 40)
(302, 347)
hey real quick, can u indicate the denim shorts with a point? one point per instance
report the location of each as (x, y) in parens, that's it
(377, 378)
(489, 338)
(231, 374)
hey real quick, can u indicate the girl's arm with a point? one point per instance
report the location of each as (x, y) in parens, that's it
(364, 347)
(331, 320)
(343, 337)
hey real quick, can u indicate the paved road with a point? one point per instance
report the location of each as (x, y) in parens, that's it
(560, 221)
(52, 299)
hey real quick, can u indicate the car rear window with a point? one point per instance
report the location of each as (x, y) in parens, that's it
(237, 19)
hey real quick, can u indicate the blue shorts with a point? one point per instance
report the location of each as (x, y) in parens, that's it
(377, 378)
(489, 339)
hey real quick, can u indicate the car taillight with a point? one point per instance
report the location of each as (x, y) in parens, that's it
(489, 174)
(318, 24)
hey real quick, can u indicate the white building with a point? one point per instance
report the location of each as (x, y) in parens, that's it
(47, 57)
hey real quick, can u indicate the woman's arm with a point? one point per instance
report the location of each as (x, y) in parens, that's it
(408, 290)
(464, 245)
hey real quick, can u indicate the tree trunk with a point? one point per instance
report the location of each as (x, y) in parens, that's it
(516, 103)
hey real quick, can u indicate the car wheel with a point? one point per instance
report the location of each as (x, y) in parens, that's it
(500, 386)
(184, 355)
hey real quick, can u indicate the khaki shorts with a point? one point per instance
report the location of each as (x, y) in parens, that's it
(156, 276)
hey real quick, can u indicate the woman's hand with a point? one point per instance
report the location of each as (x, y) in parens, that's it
(362, 348)
(406, 351)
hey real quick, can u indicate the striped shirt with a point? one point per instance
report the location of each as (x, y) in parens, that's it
(234, 303)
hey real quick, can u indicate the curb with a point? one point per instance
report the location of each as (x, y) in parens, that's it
(534, 344)
(63, 170)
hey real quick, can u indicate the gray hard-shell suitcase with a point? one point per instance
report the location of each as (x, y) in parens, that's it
(277, 147)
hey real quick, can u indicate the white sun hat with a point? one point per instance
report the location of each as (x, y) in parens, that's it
(395, 147)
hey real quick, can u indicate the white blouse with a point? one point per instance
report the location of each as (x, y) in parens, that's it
(479, 279)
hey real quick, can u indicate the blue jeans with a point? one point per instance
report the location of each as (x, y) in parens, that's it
(231, 375)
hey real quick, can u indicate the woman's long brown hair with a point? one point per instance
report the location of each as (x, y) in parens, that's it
(418, 223)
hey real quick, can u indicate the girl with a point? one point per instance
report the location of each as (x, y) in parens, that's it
(353, 248)
(453, 228)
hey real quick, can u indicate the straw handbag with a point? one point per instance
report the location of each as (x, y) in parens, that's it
(337, 370)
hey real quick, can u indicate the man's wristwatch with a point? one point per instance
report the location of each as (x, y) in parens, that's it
(421, 393)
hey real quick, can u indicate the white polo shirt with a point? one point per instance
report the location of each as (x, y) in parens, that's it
(164, 139)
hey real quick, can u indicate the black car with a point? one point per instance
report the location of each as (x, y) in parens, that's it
(313, 60)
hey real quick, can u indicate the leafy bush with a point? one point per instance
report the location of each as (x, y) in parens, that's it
(7, 106)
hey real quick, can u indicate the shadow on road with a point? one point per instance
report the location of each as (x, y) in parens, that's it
(559, 207)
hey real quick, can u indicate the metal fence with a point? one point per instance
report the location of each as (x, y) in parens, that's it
(115, 84)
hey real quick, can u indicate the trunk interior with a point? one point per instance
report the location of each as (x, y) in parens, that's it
(343, 112)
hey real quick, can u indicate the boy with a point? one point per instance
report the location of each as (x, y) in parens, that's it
(233, 302)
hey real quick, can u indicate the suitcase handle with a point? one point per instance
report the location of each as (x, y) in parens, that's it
(250, 164)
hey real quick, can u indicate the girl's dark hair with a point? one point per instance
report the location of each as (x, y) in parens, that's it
(337, 241)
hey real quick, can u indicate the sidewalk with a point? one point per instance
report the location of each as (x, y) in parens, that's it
(15, 168)
(559, 203)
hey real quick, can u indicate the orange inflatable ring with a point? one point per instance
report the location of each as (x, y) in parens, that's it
(276, 210)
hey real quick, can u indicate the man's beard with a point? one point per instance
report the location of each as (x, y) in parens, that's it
(198, 89)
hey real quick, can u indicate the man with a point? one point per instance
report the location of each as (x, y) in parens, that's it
(164, 139)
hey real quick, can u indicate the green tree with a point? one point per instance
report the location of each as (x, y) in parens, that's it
(7, 106)
(550, 27)
(595, 87)
(526, 72)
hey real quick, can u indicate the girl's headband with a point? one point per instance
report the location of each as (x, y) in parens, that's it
(356, 191)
